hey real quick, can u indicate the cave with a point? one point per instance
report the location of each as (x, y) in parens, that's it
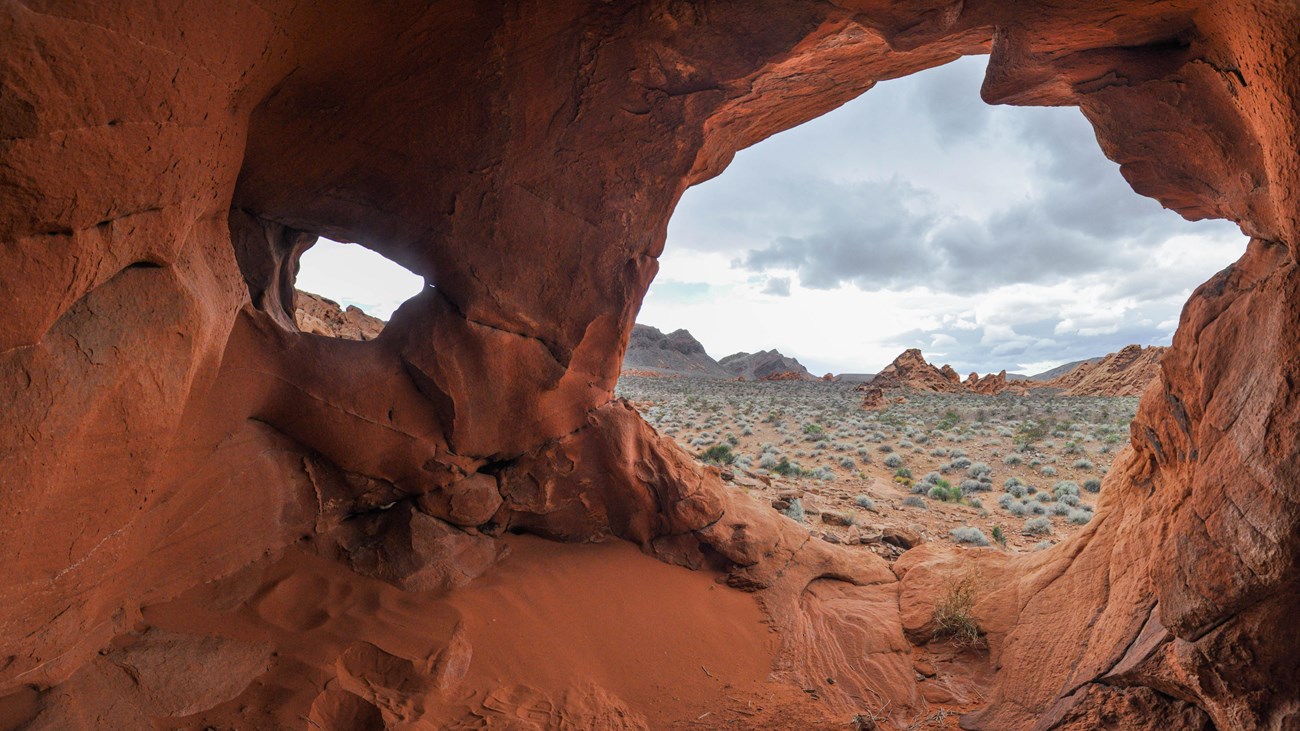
(201, 504)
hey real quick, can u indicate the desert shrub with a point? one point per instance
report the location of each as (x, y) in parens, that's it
(1038, 526)
(1012, 460)
(1044, 497)
(959, 463)
(969, 486)
(1042, 544)
(893, 461)
(786, 468)
(1016, 490)
(972, 536)
(1018, 509)
(864, 502)
(939, 452)
(931, 478)
(979, 469)
(795, 511)
(954, 615)
(999, 535)
(945, 492)
(950, 419)
(1059, 508)
(1065, 487)
(1071, 500)
(978, 504)
(904, 444)
(914, 501)
(1079, 517)
(1083, 464)
(847, 463)
(718, 454)
(1092, 485)
(768, 461)
(1048, 471)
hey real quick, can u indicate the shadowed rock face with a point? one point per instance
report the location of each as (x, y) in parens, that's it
(163, 424)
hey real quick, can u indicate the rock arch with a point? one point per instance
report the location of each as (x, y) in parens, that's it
(162, 429)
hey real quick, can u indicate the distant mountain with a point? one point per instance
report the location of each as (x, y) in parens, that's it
(1061, 370)
(855, 377)
(1125, 373)
(676, 354)
(765, 365)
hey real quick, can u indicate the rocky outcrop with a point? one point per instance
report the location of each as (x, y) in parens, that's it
(989, 385)
(1125, 373)
(912, 372)
(677, 353)
(948, 372)
(765, 365)
(873, 397)
(187, 478)
(321, 316)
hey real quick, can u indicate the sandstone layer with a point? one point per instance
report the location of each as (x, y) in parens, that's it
(1123, 373)
(174, 448)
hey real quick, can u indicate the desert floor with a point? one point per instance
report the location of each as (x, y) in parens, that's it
(1013, 472)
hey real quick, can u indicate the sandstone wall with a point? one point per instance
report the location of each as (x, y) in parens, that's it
(164, 424)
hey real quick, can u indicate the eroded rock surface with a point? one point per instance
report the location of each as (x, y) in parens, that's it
(911, 371)
(1126, 372)
(174, 449)
(318, 315)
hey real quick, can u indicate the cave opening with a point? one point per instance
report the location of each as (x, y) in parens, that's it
(349, 291)
(918, 219)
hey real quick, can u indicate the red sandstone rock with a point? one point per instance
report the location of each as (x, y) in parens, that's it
(1125, 373)
(989, 385)
(873, 398)
(171, 439)
(911, 371)
(315, 314)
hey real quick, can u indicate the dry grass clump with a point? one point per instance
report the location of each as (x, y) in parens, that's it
(954, 617)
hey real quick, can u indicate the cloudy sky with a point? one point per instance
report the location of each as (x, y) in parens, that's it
(914, 216)
(918, 216)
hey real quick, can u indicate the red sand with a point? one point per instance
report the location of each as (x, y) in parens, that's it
(581, 636)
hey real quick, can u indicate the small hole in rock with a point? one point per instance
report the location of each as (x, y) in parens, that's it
(349, 291)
